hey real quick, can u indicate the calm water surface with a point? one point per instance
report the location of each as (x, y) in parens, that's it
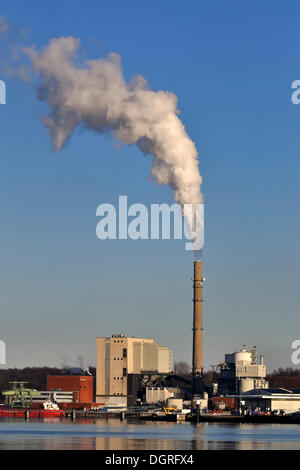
(116, 435)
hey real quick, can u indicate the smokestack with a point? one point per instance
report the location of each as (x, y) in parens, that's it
(197, 385)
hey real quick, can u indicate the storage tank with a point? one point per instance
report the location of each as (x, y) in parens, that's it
(246, 385)
(243, 356)
(175, 403)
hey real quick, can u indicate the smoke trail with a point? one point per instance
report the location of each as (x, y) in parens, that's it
(95, 96)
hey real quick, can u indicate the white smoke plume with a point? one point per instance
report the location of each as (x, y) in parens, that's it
(94, 95)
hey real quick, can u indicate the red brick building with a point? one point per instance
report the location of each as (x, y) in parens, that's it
(82, 385)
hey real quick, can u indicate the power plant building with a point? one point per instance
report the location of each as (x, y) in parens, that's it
(240, 373)
(120, 361)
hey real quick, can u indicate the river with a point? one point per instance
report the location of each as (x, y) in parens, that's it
(115, 435)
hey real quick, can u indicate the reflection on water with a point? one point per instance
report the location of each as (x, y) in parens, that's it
(116, 435)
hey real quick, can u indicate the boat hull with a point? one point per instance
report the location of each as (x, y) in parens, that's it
(31, 413)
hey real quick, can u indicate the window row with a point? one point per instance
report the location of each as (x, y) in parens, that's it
(124, 374)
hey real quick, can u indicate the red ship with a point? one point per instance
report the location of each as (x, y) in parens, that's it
(6, 412)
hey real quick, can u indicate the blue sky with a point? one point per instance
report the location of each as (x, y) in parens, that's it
(231, 65)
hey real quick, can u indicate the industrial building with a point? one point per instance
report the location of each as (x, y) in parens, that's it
(287, 400)
(80, 385)
(240, 373)
(121, 365)
(161, 394)
(58, 397)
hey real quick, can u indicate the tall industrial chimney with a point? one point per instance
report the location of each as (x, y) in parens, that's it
(197, 384)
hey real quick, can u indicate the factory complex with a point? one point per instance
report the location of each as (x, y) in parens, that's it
(133, 373)
(138, 373)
